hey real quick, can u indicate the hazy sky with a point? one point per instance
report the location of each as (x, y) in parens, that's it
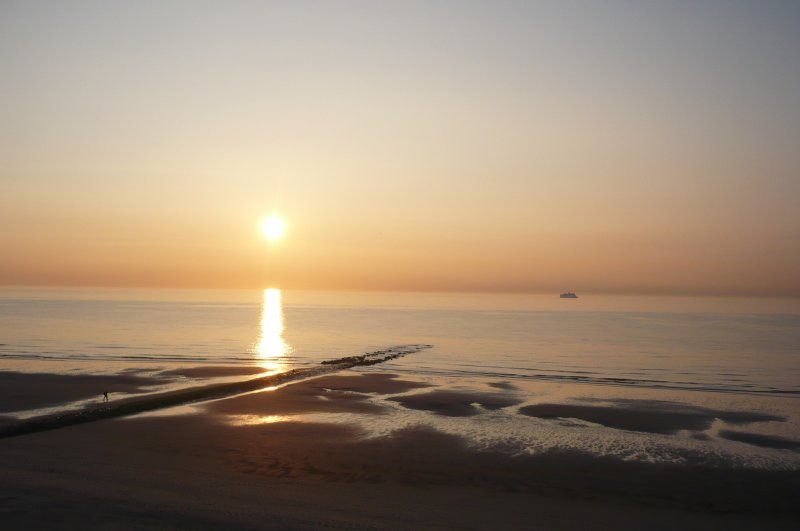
(470, 146)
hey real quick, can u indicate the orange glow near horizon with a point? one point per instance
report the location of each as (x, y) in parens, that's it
(531, 156)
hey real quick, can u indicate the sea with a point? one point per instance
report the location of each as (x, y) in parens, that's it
(697, 353)
(736, 345)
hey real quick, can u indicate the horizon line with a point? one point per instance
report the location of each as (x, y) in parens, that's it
(629, 292)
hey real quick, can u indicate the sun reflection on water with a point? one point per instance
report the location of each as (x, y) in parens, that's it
(271, 349)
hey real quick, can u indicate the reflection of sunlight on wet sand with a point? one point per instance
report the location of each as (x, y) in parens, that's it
(271, 348)
(250, 420)
(175, 411)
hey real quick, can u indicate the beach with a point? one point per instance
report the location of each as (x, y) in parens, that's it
(302, 457)
(319, 411)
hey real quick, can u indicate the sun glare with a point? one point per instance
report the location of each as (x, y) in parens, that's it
(271, 347)
(273, 228)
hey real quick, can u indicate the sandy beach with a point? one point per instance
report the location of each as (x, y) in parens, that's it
(267, 460)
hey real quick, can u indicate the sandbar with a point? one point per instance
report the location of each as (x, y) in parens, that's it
(646, 416)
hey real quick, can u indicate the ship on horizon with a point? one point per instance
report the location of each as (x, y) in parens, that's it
(568, 295)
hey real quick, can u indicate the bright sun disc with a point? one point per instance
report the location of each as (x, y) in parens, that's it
(273, 228)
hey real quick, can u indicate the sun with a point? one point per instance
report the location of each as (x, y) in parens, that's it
(272, 228)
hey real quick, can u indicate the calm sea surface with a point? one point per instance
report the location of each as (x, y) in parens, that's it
(732, 345)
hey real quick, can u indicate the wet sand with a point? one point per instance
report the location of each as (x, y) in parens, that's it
(329, 394)
(130, 406)
(203, 471)
(21, 391)
(758, 439)
(647, 416)
(456, 403)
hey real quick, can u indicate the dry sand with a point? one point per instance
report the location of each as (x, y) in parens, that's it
(203, 472)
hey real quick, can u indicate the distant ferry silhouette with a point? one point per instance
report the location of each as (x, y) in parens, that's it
(568, 295)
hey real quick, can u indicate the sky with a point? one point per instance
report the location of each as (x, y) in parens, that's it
(616, 146)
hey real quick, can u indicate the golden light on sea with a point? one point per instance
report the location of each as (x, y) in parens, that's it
(271, 348)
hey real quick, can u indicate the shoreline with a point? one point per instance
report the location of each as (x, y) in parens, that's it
(151, 402)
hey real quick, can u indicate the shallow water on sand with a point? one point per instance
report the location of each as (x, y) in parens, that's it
(531, 418)
(710, 381)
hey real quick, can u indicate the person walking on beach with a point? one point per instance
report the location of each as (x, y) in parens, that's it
(105, 396)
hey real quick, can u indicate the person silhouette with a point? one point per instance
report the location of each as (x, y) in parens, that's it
(105, 396)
